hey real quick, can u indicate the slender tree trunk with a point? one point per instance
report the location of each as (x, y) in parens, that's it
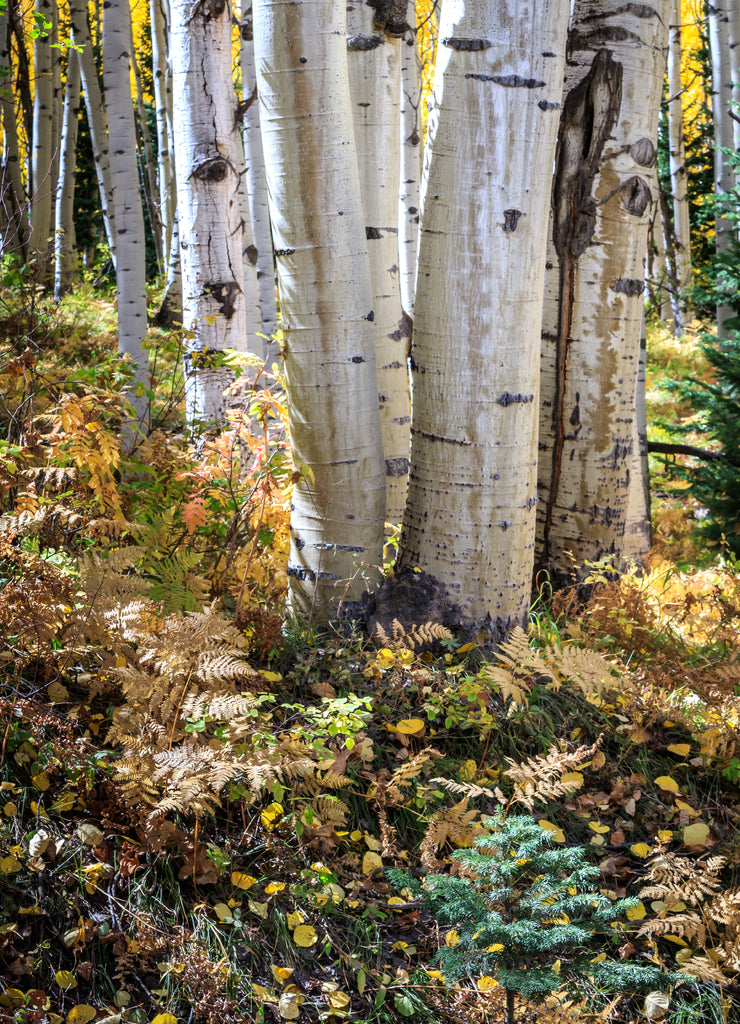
(207, 170)
(604, 194)
(256, 180)
(65, 249)
(128, 213)
(638, 533)
(724, 178)
(338, 504)
(170, 312)
(147, 163)
(470, 517)
(42, 148)
(96, 115)
(14, 235)
(253, 342)
(411, 163)
(374, 62)
(159, 15)
(677, 157)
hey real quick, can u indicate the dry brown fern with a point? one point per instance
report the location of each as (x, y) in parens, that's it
(412, 638)
(456, 826)
(541, 778)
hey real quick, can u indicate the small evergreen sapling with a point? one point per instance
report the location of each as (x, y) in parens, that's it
(528, 913)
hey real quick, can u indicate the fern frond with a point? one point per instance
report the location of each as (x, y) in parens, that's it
(702, 968)
(467, 789)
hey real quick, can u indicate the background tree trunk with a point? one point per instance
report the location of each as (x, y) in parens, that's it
(42, 181)
(65, 248)
(724, 177)
(603, 197)
(14, 225)
(470, 517)
(207, 169)
(373, 59)
(677, 157)
(411, 163)
(338, 504)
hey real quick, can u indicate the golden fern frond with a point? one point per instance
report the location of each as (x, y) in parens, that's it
(467, 789)
(516, 663)
(676, 878)
(217, 705)
(702, 968)
(412, 638)
(539, 778)
(586, 668)
(686, 926)
(411, 769)
(331, 810)
(725, 908)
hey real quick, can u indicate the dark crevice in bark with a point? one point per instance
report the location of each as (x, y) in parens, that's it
(510, 81)
(590, 111)
(466, 45)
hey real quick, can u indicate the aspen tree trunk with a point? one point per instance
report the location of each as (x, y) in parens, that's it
(128, 213)
(14, 235)
(42, 146)
(677, 157)
(96, 115)
(65, 249)
(170, 312)
(252, 311)
(57, 107)
(724, 178)
(603, 198)
(161, 73)
(470, 517)
(411, 163)
(338, 505)
(256, 180)
(637, 533)
(207, 171)
(147, 163)
(374, 63)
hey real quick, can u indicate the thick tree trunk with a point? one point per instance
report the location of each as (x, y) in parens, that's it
(470, 517)
(96, 115)
(65, 249)
(128, 213)
(256, 181)
(207, 170)
(677, 157)
(374, 62)
(338, 504)
(411, 163)
(604, 194)
(14, 225)
(42, 149)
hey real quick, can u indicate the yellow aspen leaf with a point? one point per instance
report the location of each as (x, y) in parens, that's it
(12, 997)
(9, 865)
(665, 835)
(271, 815)
(41, 781)
(260, 909)
(437, 975)
(355, 836)
(497, 947)
(65, 980)
(557, 833)
(486, 983)
(696, 834)
(598, 828)
(468, 770)
(667, 784)
(675, 939)
(319, 899)
(683, 955)
(273, 887)
(452, 937)
(411, 726)
(598, 760)
(334, 890)
(241, 881)
(637, 913)
(465, 648)
(294, 919)
(164, 1018)
(223, 913)
(640, 849)
(372, 843)
(289, 1006)
(271, 677)
(263, 993)
(281, 974)
(680, 749)
(573, 779)
(305, 935)
(338, 1000)
(371, 862)
(81, 1014)
(598, 959)
(396, 902)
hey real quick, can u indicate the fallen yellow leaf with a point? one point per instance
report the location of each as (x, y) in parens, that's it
(305, 935)
(241, 881)
(637, 913)
(667, 784)
(681, 749)
(81, 1014)
(486, 983)
(411, 726)
(696, 834)
(640, 849)
(371, 862)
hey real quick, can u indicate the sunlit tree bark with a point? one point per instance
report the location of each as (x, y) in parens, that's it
(603, 198)
(13, 223)
(677, 158)
(470, 517)
(411, 162)
(42, 180)
(374, 62)
(128, 213)
(207, 169)
(722, 95)
(65, 249)
(338, 504)
(161, 74)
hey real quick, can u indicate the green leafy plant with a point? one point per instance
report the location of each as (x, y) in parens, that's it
(529, 914)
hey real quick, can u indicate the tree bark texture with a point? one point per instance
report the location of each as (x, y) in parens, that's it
(411, 162)
(128, 213)
(207, 169)
(162, 81)
(338, 505)
(42, 180)
(374, 62)
(470, 517)
(677, 158)
(13, 223)
(604, 194)
(65, 249)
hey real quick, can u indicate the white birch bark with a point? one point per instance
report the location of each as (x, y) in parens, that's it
(96, 114)
(677, 160)
(253, 342)
(14, 235)
(724, 178)
(147, 162)
(65, 249)
(411, 163)
(159, 18)
(256, 180)
(209, 218)
(638, 533)
(603, 198)
(128, 213)
(170, 312)
(374, 63)
(42, 146)
(470, 517)
(338, 505)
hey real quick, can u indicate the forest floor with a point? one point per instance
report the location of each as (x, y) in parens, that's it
(200, 804)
